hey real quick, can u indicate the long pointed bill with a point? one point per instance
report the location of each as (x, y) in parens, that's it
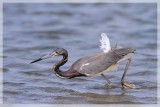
(43, 57)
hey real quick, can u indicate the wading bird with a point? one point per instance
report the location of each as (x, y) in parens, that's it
(96, 64)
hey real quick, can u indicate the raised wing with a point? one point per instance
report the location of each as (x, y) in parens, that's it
(105, 43)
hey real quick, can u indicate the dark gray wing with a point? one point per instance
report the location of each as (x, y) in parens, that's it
(100, 62)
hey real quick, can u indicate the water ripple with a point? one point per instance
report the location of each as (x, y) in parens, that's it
(32, 30)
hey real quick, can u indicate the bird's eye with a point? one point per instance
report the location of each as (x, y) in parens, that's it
(57, 52)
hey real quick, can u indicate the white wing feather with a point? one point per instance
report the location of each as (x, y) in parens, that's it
(105, 43)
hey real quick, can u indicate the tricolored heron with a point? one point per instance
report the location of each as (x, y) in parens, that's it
(94, 65)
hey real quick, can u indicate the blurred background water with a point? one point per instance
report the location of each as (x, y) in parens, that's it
(32, 30)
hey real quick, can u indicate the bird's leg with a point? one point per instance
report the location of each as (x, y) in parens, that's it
(109, 83)
(126, 84)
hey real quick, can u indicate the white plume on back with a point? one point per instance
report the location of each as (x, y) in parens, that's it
(105, 43)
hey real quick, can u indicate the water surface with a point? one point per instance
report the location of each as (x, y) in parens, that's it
(32, 30)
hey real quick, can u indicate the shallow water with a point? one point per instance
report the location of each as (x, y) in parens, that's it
(32, 30)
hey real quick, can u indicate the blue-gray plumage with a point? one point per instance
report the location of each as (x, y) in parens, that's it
(99, 63)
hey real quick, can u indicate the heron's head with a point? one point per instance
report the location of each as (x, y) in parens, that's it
(57, 52)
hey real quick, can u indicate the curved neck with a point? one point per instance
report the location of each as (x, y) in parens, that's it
(56, 67)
